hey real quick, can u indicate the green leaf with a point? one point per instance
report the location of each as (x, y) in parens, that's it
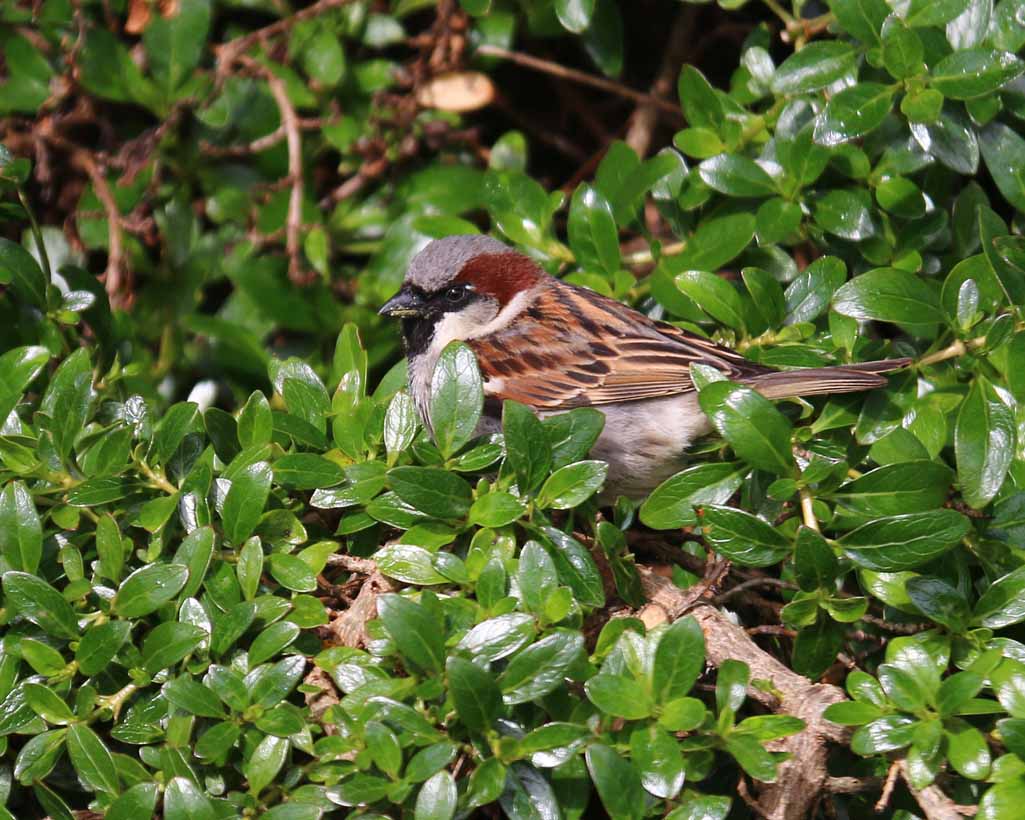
(244, 503)
(26, 277)
(904, 542)
(983, 443)
(437, 798)
(571, 485)
(67, 400)
(400, 425)
(18, 367)
(809, 294)
(1003, 603)
(21, 532)
(414, 631)
(921, 13)
(656, 756)
(436, 492)
(571, 435)
(815, 564)
(47, 704)
(37, 601)
(736, 175)
(457, 398)
(541, 667)
(672, 503)
(904, 487)
(939, 601)
(1003, 150)
(846, 213)
(679, 660)
(701, 105)
(99, 645)
(292, 572)
(817, 65)
(577, 568)
(168, 643)
(265, 762)
(496, 509)
(575, 15)
(190, 695)
(752, 757)
(593, 235)
(527, 449)
(134, 803)
(717, 297)
(619, 696)
(618, 784)
(890, 295)
(409, 564)
(174, 44)
(475, 694)
(149, 588)
(852, 113)
(603, 38)
(973, 72)
(967, 749)
(755, 429)
(307, 471)
(903, 52)
(255, 421)
(92, 759)
(742, 537)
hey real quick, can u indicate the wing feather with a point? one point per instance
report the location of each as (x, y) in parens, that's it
(575, 348)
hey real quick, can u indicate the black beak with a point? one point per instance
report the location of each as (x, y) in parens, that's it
(403, 305)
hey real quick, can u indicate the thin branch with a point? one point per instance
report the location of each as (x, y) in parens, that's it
(352, 563)
(229, 52)
(116, 280)
(260, 144)
(290, 122)
(645, 117)
(802, 776)
(573, 75)
(808, 509)
(751, 584)
(932, 800)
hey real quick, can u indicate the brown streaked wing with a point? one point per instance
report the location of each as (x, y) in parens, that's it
(573, 347)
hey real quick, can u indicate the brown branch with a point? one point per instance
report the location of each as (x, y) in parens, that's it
(932, 800)
(645, 117)
(290, 122)
(229, 52)
(802, 777)
(573, 75)
(260, 144)
(117, 279)
(364, 566)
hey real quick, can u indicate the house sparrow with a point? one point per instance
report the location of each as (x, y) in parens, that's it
(554, 346)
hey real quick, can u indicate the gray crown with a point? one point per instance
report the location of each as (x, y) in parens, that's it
(439, 263)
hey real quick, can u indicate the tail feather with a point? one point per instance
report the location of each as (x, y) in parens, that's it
(822, 381)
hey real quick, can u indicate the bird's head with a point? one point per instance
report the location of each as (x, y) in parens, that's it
(459, 288)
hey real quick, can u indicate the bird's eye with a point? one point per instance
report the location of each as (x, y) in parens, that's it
(456, 293)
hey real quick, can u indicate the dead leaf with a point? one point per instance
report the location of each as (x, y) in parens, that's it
(458, 91)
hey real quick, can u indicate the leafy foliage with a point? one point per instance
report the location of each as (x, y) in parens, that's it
(198, 471)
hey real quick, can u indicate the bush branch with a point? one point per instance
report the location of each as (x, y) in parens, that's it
(801, 777)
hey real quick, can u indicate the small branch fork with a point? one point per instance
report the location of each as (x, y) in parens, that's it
(803, 777)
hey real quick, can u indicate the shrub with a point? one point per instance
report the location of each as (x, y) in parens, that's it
(239, 578)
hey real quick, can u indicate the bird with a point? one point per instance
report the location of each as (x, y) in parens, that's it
(554, 346)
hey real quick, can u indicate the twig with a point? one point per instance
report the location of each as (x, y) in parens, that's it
(801, 777)
(852, 785)
(751, 584)
(364, 566)
(958, 348)
(808, 509)
(645, 117)
(573, 75)
(260, 144)
(932, 800)
(888, 786)
(116, 280)
(229, 52)
(290, 122)
(646, 257)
